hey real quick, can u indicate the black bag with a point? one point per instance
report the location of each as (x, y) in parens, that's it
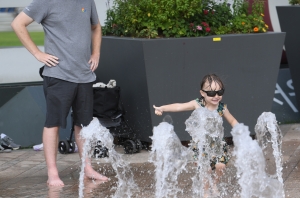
(107, 103)
(41, 71)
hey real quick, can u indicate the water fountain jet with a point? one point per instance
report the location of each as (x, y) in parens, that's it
(169, 158)
(250, 164)
(92, 134)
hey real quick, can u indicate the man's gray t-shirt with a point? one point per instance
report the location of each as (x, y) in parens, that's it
(67, 27)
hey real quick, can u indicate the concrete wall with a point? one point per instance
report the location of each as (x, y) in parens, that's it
(292, 42)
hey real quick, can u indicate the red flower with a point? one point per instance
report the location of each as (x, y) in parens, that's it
(207, 29)
(191, 24)
(204, 24)
(213, 12)
(205, 12)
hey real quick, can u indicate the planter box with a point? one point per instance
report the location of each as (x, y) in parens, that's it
(163, 71)
(289, 19)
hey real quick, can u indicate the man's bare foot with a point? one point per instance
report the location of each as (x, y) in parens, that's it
(92, 174)
(55, 181)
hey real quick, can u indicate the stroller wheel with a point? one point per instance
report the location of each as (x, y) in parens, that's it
(138, 145)
(63, 147)
(100, 151)
(71, 146)
(129, 147)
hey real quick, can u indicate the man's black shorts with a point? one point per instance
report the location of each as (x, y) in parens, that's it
(61, 96)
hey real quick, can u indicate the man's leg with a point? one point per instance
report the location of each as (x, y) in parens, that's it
(50, 143)
(59, 95)
(89, 172)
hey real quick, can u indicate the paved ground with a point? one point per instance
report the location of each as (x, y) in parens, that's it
(23, 173)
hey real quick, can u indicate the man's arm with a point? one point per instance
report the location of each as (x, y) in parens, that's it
(96, 44)
(19, 25)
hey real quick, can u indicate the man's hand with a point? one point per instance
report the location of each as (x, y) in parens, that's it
(47, 59)
(94, 61)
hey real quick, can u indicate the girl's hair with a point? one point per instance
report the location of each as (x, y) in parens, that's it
(210, 78)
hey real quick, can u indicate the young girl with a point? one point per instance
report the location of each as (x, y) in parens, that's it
(212, 90)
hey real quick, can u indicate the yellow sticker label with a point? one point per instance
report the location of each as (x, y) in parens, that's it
(217, 39)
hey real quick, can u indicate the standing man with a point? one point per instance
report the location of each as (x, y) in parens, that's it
(72, 51)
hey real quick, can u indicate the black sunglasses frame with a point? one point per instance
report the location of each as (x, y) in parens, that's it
(213, 93)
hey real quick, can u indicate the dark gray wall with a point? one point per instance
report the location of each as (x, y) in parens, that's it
(289, 19)
(22, 114)
(21, 117)
(284, 104)
(162, 71)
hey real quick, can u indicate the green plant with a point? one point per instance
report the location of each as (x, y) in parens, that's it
(245, 22)
(294, 2)
(182, 18)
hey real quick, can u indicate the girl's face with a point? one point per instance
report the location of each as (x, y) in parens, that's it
(211, 101)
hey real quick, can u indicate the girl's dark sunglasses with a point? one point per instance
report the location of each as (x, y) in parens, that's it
(213, 93)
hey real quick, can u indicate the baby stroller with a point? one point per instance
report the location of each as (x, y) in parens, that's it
(109, 110)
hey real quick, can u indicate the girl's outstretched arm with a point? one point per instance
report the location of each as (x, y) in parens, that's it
(176, 107)
(231, 120)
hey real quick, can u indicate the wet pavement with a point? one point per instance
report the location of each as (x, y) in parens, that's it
(23, 173)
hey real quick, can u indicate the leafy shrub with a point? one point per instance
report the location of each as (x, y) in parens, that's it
(182, 18)
(294, 2)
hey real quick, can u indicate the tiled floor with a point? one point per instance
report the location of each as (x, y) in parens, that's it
(23, 172)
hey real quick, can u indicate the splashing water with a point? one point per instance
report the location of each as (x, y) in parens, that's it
(207, 132)
(169, 158)
(91, 134)
(250, 164)
(267, 131)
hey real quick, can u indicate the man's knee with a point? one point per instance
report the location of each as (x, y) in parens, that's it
(77, 128)
(51, 129)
